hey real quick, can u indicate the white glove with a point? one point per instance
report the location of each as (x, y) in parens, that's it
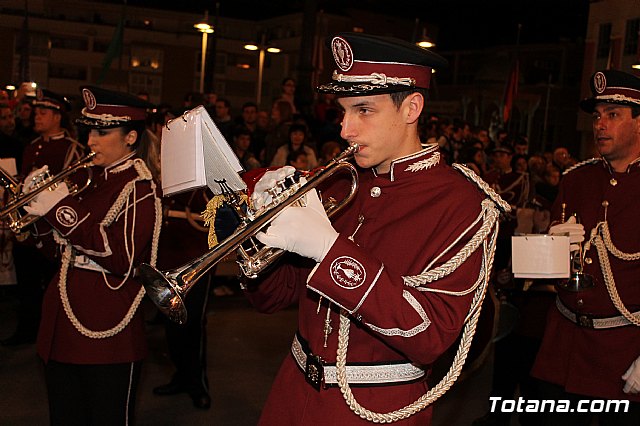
(44, 201)
(632, 378)
(303, 230)
(29, 182)
(571, 228)
(261, 195)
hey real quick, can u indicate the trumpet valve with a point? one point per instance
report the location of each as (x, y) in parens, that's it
(279, 191)
(37, 181)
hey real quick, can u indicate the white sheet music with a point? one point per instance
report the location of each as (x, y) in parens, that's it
(221, 163)
(194, 154)
(540, 256)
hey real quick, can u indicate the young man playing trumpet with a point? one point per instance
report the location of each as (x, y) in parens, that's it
(385, 289)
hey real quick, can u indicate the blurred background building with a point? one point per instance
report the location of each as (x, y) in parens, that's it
(63, 44)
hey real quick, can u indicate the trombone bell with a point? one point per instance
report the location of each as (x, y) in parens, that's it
(164, 292)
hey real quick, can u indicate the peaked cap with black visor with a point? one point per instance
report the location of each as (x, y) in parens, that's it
(49, 100)
(107, 109)
(372, 65)
(612, 87)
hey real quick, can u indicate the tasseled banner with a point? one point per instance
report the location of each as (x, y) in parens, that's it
(209, 215)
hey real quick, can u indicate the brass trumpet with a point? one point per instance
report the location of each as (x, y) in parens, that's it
(10, 212)
(578, 280)
(168, 289)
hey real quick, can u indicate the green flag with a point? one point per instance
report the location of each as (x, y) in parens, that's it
(113, 51)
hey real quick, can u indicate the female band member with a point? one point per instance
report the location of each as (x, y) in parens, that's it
(91, 337)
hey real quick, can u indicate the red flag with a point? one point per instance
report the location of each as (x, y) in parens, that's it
(510, 91)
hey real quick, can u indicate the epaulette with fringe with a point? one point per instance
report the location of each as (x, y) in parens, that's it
(484, 187)
(593, 160)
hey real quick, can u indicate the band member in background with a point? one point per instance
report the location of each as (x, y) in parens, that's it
(513, 187)
(92, 337)
(54, 147)
(53, 150)
(515, 346)
(184, 238)
(365, 284)
(591, 345)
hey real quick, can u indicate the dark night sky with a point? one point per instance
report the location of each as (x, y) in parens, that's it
(464, 24)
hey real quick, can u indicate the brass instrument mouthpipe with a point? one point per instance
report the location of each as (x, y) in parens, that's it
(24, 199)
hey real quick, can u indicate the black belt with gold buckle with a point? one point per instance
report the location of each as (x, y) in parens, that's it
(314, 371)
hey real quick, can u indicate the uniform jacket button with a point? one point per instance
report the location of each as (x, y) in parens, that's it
(376, 191)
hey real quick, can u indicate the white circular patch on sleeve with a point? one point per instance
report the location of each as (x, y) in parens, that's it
(66, 216)
(347, 272)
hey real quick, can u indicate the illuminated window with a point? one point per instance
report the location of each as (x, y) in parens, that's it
(146, 59)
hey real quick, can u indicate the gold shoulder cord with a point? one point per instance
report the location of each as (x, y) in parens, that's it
(143, 174)
(601, 238)
(485, 237)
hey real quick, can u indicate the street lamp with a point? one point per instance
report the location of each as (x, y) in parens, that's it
(262, 48)
(425, 41)
(205, 29)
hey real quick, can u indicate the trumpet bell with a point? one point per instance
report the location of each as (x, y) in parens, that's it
(164, 292)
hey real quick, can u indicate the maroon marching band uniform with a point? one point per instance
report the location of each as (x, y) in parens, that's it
(58, 153)
(397, 225)
(584, 360)
(183, 224)
(115, 225)
(513, 187)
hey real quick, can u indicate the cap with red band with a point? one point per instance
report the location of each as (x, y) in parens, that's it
(613, 87)
(369, 65)
(106, 108)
